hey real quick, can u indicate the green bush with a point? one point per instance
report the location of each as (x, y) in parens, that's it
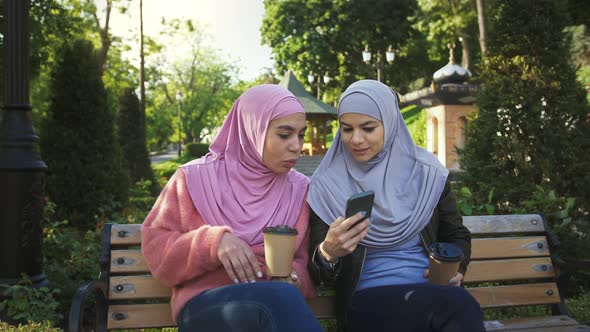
(78, 141)
(30, 327)
(71, 259)
(531, 128)
(517, 312)
(131, 136)
(468, 204)
(579, 308)
(23, 302)
(415, 118)
(164, 170)
(140, 203)
(196, 150)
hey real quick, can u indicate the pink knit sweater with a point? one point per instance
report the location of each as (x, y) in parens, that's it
(181, 249)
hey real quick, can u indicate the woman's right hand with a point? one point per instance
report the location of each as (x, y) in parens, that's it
(237, 258)
(341, 239)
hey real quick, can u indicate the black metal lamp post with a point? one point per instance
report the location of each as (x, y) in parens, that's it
(22, 172)
(389, 55)
(311, 78)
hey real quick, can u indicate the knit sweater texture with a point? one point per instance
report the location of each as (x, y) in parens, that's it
(180, 249)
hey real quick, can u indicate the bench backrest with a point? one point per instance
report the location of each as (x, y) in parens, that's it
(511, 265)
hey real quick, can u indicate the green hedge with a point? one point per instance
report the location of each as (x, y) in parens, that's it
(30, 327)
(196, 150)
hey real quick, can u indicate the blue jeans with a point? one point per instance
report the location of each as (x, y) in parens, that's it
(259, 306)
(418, 307)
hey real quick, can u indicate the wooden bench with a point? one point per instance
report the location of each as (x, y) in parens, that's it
(512, 264)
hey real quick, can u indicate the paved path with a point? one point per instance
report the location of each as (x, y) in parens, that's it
(163, 157)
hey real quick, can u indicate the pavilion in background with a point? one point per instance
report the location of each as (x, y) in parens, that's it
(319, 115)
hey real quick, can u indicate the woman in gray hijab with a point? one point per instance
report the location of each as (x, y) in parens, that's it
(379, 267)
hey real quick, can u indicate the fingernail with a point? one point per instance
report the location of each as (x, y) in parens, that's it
(294, 275)
(363, 213)
(259, 274)
(252, 280)
(236, 281)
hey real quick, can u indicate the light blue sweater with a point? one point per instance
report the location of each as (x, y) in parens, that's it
(401, 265)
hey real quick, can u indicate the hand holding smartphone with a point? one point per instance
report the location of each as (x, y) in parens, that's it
(362, 201)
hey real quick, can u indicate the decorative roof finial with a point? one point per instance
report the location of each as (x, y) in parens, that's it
(451, 53)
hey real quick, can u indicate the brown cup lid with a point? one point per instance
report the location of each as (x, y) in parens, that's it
(281, 229)
(446, 252)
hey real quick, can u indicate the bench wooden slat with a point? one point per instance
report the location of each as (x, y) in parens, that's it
(513, 295)
(160, 314)
(509, 269)
(144, 287)
(140, 315)
(519, 324)
(130, 234)
(128, 261)
(126, 234)
(137, 287)
(504, 224)
(132, 261)
(529, 246)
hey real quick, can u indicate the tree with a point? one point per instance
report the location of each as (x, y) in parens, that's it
(131, 140)
(481, 22)
(86, 171)
(141, 133)
(445, 22)
(325, 36)
(204, 81)
(532, 127)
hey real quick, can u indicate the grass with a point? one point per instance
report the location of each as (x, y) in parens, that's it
(415, 118)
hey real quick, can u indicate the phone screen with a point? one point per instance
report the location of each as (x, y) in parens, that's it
(360, 202)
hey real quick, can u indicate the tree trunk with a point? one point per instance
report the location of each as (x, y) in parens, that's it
(105, 39)
(141, 74)
(482, 27)
(466, 55)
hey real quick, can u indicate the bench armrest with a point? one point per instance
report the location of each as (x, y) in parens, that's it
(76, 317)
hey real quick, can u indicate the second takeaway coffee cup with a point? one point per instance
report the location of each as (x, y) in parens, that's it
(279, 249)
(444, 259)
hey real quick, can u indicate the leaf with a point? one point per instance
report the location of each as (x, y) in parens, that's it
(466, 210)
(570, 203)
(562, 214)
(465, 192)
(490, 209)
(565, 222)
(491, 195)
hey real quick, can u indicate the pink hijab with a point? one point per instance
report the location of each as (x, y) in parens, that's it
(230, 186)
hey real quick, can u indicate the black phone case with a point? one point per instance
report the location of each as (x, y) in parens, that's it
(360, 202)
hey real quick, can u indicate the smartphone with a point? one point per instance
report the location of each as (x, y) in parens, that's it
(360, 202)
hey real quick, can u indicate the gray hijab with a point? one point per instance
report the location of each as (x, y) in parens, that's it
(407, 180)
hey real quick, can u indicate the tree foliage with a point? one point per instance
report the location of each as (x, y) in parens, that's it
(133, 146)
(86, 172)
(204, 82)
(448, 21)
(325, 36)
(532, 127)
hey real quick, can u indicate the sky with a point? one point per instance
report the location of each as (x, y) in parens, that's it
(233, 24)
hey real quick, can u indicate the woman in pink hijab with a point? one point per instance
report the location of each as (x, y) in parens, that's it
(203, 237)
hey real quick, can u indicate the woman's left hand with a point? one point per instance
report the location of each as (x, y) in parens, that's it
(454, 281)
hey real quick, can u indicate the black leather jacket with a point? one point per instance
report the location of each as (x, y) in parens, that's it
(446, 225)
